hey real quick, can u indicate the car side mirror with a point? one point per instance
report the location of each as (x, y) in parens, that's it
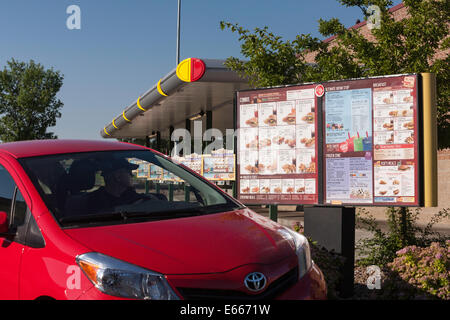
(3, 222)
(5, 232)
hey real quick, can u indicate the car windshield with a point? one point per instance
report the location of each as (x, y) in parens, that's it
(121, 186)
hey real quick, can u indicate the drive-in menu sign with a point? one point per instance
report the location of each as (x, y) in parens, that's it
(277, 149)
(369, 143)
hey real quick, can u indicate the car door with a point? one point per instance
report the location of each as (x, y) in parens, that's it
(10, 250)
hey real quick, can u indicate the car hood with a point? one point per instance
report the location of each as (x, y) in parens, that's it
(202, 244)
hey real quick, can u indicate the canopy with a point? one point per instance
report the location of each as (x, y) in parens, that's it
(194, 87)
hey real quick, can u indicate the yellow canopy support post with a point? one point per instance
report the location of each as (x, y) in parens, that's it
(429, 139)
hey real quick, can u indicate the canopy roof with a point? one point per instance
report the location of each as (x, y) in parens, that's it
(194, 86)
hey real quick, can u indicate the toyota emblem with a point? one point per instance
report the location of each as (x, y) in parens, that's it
(255, 281)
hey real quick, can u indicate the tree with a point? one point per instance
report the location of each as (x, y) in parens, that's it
(28, 102)
(404, 46)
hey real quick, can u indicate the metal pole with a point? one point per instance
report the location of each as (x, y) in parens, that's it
(273, 212)
(147, 144)
(187, 195)
(170, 191)
(178, 32)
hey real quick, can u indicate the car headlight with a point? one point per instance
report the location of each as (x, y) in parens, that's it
(117, 278)
(301, 246)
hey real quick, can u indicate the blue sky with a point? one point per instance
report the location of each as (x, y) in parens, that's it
(125, 47)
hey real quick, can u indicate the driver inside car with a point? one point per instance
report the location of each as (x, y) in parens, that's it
(118, 189)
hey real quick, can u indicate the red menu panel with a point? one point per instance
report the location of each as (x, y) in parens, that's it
(277, 146)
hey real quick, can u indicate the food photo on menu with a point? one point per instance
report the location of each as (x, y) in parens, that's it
(266, 135)
(264, 186)
(287, 161)
(267, 114)
(249, 139)
(267, 162)
(306, 136)
(305, 111)
(245, 186)
(275, 186)
(249, 163)
(306, 160)
(287, 186)
(285, 137)
(286, 113)
(254, 186)
(249, 116)
(299, 186)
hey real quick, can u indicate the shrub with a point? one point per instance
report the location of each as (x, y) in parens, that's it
(420, 273)
(402, 231)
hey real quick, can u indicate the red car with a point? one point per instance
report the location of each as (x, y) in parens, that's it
(85, 220)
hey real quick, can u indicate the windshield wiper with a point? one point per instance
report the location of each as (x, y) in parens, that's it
(149, 215)
(98, 217)
(124, 215)
(176, 213)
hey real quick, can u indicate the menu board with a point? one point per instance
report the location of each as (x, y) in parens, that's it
(349, 142)
(370, 141)
(219, 165)
(193, 162)
(156, 172)
(277, 149)
(143, 170)
(169, 176)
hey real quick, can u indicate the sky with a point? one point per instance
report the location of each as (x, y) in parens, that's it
(125, 46)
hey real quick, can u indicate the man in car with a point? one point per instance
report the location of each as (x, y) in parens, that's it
(118, 189)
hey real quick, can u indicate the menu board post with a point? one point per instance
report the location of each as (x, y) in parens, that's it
(320, 149)
(187, 193)
(170, 191)
(273, 212)
(430, 139)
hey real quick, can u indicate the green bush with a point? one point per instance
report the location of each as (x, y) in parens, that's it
(420, 273)
(402, 231)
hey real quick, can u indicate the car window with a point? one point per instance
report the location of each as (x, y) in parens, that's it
(20, 211)
(91, 186)
(7, 187)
